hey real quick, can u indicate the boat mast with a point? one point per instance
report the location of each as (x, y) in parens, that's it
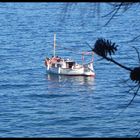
(54, 44)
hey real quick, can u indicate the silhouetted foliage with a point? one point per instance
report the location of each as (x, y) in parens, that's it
(135, 75)
(105, 48)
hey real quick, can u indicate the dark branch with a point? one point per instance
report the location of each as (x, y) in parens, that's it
(115, 62)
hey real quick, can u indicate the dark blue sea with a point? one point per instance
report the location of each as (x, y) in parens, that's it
(36, 104)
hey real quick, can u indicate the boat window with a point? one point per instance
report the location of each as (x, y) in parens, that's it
(58, 65)
(53, 65)
(70, 64)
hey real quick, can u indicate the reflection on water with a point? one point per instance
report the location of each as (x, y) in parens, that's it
(82, 80)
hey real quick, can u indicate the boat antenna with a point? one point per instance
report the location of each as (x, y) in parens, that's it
(54, 44)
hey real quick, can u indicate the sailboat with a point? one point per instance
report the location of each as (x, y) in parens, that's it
(61, 66)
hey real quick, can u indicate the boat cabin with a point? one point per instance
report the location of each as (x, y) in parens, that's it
(70, 64)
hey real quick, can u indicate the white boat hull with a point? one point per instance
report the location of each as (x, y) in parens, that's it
(72, 72)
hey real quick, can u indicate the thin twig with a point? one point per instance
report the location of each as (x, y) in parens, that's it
(113, 14)
(132, 88)
(135, 93)
(109, 13)
(133, 96)
(89, 45)
(137, 53)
